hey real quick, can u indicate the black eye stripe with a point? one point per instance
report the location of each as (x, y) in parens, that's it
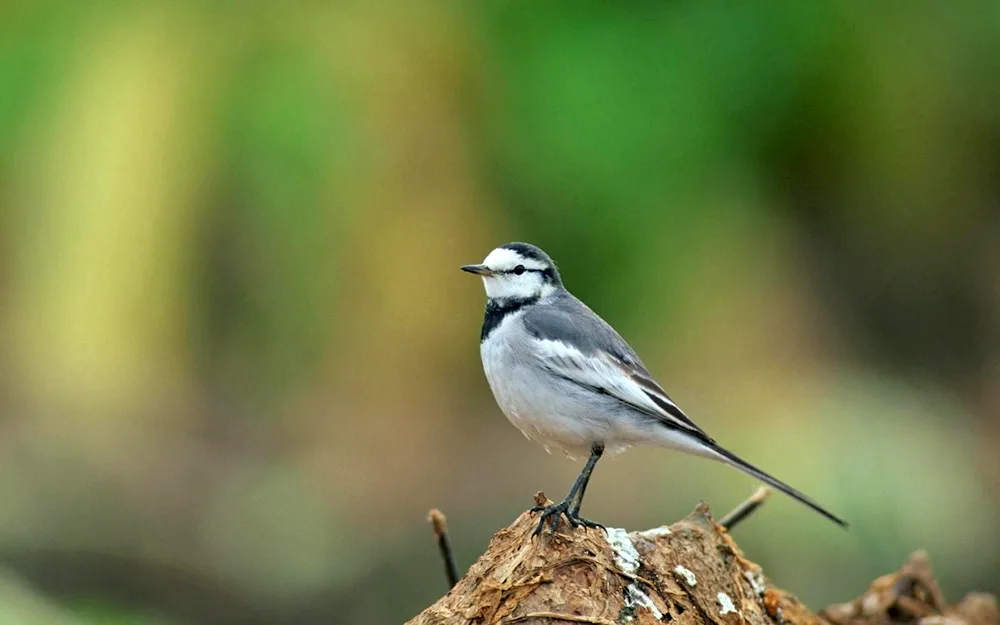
(526, 270)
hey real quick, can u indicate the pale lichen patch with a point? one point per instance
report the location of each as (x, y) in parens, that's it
(640, 598)
(655, 532)
(686, 574)
(628, 560)
(726, 604)
(756, 581)
(626, 556)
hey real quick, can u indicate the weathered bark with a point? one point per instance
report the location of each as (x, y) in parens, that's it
(691, 573)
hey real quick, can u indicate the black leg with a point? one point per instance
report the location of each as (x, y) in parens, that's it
(574, 499)
(595, 454)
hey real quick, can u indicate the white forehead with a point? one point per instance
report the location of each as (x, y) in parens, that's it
(504, 258)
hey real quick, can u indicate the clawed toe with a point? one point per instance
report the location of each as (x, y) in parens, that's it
(587, 523)
(551, 513)
(548, 512)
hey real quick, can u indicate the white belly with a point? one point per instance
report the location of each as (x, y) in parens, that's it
(555, 416)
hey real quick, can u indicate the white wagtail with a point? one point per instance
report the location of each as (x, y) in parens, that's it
(567, 380)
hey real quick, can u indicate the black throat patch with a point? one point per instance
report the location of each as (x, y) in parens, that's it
(498, 309)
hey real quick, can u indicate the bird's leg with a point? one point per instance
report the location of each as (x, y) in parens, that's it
(595, 454)
(571, 505)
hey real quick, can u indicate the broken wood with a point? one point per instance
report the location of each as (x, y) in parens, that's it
(691, 573)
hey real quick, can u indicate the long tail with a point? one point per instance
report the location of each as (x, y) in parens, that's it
(732, 459)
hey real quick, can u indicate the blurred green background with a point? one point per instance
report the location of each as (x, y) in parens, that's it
(239, 363)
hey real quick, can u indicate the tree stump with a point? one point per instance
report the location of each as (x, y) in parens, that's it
(690, 573)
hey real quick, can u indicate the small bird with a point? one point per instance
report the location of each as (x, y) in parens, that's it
(567, 380)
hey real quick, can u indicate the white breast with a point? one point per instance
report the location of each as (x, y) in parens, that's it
(499, 363)
(542, 408)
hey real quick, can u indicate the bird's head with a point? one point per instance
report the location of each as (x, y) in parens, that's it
(517, 271)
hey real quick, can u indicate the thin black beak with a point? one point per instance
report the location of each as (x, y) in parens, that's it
(479, 270)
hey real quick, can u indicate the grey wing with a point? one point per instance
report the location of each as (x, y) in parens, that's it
(576, 344)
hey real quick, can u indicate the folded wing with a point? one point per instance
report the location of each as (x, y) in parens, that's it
(606, 374)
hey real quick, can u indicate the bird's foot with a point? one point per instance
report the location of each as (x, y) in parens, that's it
(551, 514)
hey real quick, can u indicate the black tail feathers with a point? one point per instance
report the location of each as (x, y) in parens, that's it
(746, 467)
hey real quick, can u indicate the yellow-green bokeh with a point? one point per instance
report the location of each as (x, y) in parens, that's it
(239, 362)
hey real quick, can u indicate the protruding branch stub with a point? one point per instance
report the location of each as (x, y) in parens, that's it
(439, 523)
(735, 516)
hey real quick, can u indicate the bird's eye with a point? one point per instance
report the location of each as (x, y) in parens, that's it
(519, 269)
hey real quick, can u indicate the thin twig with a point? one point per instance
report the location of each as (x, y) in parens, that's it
(440, 524)
(745, 509)
(561, 617)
